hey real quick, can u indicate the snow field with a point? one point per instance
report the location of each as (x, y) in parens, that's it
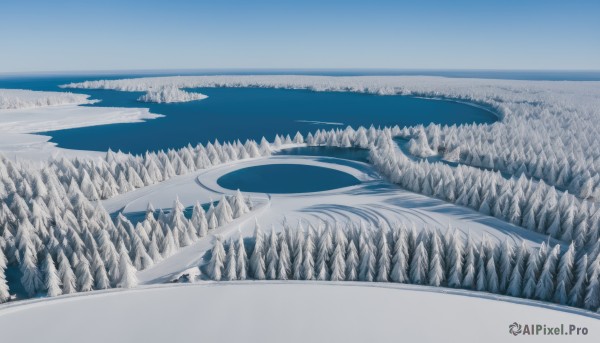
(290, 312)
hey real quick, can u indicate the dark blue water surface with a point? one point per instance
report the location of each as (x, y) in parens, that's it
(286, 178)
(243, 113)
(354, 154)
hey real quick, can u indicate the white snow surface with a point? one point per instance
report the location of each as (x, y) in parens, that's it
(372, 201)
(71, 116)
(23, 112)
(286, 312)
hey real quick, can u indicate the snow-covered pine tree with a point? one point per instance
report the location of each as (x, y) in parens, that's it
(272, 256)
(399, 259)
(31, 278)
(217, 259)
(323, 255)
(51, 278)
(515, 284)
(576, 294)
(545, 285)
(338, 264)
(85, 279)
(351, 262)
(419, 265)
(383, 256)
(4, 290)
(308, 262)
(230, 271)
(66, 274)
(257, 259)
(284, 262)
(298, 253)
(127, 272)
(241, 259)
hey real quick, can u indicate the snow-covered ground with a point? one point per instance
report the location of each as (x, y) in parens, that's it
(70, 116)
(372, 201)
(286, 312)
(24, 112)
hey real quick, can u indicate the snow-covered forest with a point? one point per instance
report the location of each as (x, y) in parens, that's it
(21, 98)
(169, 95)
(39, 231)
(62, 241)
(355, 252)
(548, 130)
(537, 168)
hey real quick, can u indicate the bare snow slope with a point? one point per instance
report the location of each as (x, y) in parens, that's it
(285, 312)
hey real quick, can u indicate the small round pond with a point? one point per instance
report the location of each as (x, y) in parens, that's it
(286, 178)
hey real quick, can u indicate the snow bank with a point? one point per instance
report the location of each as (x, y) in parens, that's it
(290, 312)
(170, 95)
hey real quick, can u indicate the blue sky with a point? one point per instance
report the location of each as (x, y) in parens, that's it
(115, 35)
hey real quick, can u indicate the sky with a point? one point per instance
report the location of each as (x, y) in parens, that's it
(65, 35)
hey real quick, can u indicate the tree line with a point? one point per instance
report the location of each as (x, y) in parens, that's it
(360, 252)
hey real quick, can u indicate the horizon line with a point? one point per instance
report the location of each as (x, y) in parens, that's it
(249, 69)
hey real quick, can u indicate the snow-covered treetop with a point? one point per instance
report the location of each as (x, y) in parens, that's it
(170, 94)
(21, 98)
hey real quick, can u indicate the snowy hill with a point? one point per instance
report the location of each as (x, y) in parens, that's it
(285, 312)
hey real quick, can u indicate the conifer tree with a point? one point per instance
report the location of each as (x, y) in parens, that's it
(242, 259)
(272, 256)
(351, 262)
(308, 262)
(419, 265)
(383, 258)
(257, 259)
(284, 262)
(576, 294)
(51, 279)
(230, 271)
(85, 280)
(66, 274)
(4, 290)
(298, 253)
(128, 278)
(545, 286)
(400, 260)
(31, 278)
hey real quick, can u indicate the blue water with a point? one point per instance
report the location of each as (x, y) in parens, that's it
(354, 154)
(251, 113)
(286, 178)
(242, 113)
